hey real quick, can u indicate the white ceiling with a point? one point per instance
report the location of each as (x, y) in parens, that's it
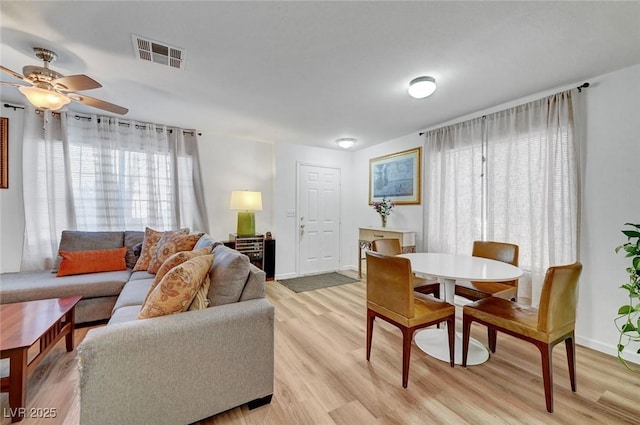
(311, 72)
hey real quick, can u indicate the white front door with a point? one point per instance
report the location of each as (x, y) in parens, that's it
(318, 219)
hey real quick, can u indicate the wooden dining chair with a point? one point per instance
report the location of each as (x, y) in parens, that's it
(390, 296)
(552, 322)
(393, 247)
(500, 251)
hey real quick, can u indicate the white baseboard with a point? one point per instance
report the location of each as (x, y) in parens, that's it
(285, 276)
(606, 349)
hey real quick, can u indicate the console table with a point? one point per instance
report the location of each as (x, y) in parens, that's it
(369, 234)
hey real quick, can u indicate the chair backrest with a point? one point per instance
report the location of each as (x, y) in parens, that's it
(559, 298)
(500, 251)
(387, 246)
(390, 283)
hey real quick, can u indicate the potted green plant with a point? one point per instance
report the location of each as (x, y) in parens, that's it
(628, 320)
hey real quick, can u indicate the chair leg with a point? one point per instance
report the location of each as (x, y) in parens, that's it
(547, 373)
(370, 317)
(407, 336)
(492, 336)
(451, 329)
(570, 344)
(466, 333)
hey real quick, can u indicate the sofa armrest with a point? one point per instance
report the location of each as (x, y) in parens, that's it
(179, 368)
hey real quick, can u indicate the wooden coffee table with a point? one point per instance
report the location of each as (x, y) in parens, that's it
(22, 325)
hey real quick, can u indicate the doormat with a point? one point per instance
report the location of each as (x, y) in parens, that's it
(317, 281)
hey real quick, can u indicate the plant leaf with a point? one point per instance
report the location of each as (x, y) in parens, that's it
(631, 233)
(620, 347)
(628, 327)
(625, 309)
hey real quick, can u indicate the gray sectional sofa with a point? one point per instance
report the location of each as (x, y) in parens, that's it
(174, 369)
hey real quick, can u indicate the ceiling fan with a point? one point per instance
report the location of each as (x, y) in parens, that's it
(49, 89)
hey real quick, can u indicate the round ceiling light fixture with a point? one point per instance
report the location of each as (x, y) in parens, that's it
(346, 142)
(422, 87)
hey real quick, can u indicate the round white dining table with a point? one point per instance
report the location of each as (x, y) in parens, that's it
(448, 268)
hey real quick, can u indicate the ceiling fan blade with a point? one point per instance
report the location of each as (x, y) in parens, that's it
(97, 103)
(75, 83)
(12, 73)
(4, 83)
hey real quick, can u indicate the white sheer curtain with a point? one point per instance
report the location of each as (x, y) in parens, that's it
(527, 176)
(48, 196)
(118, 175)
(452, 185)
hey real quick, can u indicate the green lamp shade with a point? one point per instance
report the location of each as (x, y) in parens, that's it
(246, 223)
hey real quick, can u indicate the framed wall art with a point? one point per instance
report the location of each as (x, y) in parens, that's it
(4, 153)
(397, 177)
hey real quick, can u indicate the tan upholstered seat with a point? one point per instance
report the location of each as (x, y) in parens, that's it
(546, 326)
(393, 247)
(500, 251)
(390, 296)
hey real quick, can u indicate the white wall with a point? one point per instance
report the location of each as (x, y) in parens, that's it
(611, 198)
(11, 204)
(235, 164)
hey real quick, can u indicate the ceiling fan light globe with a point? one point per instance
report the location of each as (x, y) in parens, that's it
(44, 99)
(422, 87)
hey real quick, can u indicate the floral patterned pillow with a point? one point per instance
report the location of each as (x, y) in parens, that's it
(173, 261)
(151, 238)
(169, 244)
(178, 288)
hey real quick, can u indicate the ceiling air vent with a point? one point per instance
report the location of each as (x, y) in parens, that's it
(158, 52)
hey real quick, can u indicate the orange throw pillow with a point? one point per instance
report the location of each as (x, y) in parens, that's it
(169, 244)
(173, 261)
(178, 288)
(151, 238)
(99, 260)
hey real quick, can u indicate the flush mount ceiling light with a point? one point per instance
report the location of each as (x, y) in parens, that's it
(346, 142)
(422, 87)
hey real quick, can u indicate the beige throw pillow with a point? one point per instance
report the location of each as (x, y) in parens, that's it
(169, 244)
(151, 238)
(173, 261)
(200, 302)
(178, 288)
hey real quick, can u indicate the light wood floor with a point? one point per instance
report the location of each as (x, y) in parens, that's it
(322, 377)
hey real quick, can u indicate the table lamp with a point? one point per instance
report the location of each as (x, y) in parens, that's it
(246, 203)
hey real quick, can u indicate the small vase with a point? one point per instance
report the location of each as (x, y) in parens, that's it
(384, 220)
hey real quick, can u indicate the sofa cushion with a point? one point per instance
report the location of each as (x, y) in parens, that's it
(99, 260)
(131, 239)
(176, 290)
(133, 293)
(76, 240)
(169, 244)
(206, 240)
(151, 238)
(25, 286)
(173, 261)
(229, 274)
(125, 314)
(143, 274)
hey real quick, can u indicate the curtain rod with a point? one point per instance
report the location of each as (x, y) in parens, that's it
(15, 107)
(140, 126)
(580, 87)
(79, 117)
